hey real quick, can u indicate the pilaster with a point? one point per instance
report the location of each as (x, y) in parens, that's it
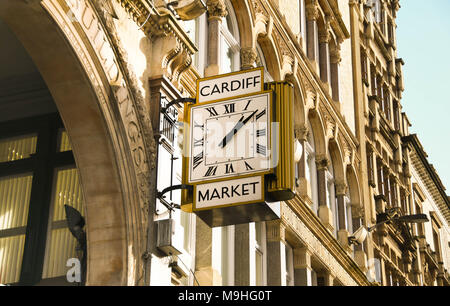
(302, 267)
(276, 265)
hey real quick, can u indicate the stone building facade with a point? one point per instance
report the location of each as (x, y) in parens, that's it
(83, 122)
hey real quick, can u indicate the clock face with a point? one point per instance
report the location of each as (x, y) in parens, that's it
(230, 138)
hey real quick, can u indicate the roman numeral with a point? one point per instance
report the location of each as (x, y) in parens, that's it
(248, 103)
(198, 159)
(198, 125)
(261, 114)
(199, 142)
(248, 167)
(211, 171)
(229, 108)
(261, 149)
(212, 111)
(261, 132)
(229, 168)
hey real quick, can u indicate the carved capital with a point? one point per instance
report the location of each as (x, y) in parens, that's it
(302, 258)
(216, 8)
(275, 231)
(248, 57)
(322, 162)
(324, 37)
(335, 56)
(312, 10)
(301, 133)
(341, 188)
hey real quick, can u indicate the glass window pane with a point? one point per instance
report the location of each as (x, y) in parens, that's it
(67, 191)
(61, 245)
(16, 148)
(11, 252)
(226, 56)
(64, 142)
(61, 248)
(15, 194)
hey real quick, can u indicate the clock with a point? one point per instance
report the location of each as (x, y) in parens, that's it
(230, 138)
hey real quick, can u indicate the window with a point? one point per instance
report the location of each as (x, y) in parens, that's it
(396, 115)
(436, 228)
(364, 71)
(38, 177)
(376, 9)
(197, 32)
(370, 168)
(331, 195)
(387, 103)
(373, 79)
(258, 257)
(170, 174)
(302, 20)
(229, 47)
(289, 258)
(380, 175)
(311, 170)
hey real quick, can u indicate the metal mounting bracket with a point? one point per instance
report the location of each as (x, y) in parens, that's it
(161, 197)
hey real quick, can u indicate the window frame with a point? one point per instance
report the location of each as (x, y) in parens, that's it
(42, 165)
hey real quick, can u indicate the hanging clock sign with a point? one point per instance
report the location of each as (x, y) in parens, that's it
(230, 150)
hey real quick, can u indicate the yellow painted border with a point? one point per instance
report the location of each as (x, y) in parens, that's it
(234, 204)
(226, 75)
(186, 135)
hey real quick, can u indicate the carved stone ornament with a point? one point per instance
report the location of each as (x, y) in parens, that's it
(249, 57)
(216, 8)
(341, 188)
(312, 10)
(322, 162)
(301, 133)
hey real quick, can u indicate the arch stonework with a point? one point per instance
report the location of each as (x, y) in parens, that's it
(105, 118)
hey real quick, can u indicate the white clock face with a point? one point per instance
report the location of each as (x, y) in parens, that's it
(230, 138)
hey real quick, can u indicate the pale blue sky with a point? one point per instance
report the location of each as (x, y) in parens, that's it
(423, 38)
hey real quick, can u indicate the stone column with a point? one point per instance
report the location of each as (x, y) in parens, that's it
(335, 59)
(302, 267)
(276, 264)
(324, 55)
(325, 214)
(301, 134)
(216, 11)
(242, 255)
(328, 278)
(341, 191)
(383, 269)
(360, 256)
(203, 254)
(312, 14)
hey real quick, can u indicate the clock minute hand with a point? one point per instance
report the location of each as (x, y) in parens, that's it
(236, 128)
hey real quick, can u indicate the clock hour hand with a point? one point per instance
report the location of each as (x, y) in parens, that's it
(236, 128)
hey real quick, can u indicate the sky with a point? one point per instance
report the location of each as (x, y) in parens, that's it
(423, 41)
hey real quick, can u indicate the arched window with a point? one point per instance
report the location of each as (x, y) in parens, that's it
(196, 29)
(331, 194)
(311, 170)
(261, 62)
(38, 176)
(302, 22)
